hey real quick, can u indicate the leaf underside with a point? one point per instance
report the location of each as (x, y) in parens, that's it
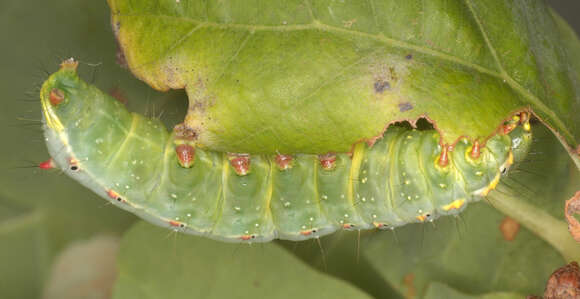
(318, 76)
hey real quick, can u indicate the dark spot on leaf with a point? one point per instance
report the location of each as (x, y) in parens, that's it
(381, 86)
(406, 106)
(409, 56)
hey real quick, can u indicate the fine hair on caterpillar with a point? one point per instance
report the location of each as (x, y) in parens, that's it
(405, 176)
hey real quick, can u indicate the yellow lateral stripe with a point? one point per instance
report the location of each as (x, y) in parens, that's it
(357, 154)
(456, 204)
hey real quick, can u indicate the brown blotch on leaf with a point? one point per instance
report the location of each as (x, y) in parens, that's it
(509, 228)
(406, 106)
(564, 283)
(56, 96)
(381, 85)
(573, 207)
(409, 282)
(184, 132)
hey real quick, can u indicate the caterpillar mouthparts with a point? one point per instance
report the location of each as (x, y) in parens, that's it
(168, 179)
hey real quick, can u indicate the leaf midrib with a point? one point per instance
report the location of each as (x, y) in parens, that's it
(539, 106)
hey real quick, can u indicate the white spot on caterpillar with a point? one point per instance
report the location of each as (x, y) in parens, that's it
(407, 182)
(173, 195)
(443, 186)
(188, 215)
(345, 215)
(364, 199)
(342, 196)
(237, 209)
(287, 204)
(324, 197)
(308, 201)
(372, 199)
(304, 227)
(478, 173)
(99, 140)
(374, 216)
(311, 219)
(257, 224)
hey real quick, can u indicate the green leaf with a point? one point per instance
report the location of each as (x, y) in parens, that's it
(178, 266)
(21, 235)
(318, 76)
(470, 254)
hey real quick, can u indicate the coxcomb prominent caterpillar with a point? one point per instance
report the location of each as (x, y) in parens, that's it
(167, 178)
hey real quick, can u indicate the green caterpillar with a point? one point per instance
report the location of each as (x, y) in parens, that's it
(166, 178)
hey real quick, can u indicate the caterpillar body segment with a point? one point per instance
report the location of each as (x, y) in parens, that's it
(171, 181)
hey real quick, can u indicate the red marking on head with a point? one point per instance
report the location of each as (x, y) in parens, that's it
(48, 164)
(475, 150)
(284, 161)
(307, 232)
(240, 163)
(185, 155)
(328, 161)
(56, 96)
(444, 156)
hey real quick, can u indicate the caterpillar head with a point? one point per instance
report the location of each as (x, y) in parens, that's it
(57, 92)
